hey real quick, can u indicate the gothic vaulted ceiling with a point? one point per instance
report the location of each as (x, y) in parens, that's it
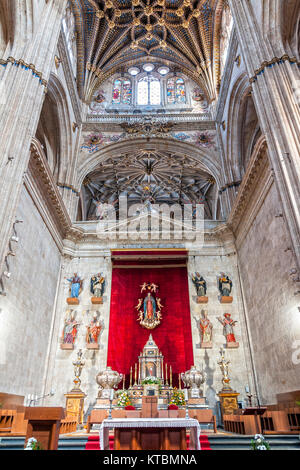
(148, 176)
(112, 34)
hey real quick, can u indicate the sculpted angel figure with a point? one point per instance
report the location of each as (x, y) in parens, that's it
(160, 306)
(139, 304)
(154, 288)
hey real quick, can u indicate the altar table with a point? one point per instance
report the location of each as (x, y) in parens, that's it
(133, 432)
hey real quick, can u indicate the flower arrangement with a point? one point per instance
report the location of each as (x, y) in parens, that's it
(172, 407)
(259, 443)
(123, 399)
(129, 408)
(177, 398)
(33, 444)
(151, 381)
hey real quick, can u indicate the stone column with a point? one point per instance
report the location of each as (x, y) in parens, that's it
(274, 75)
(23, 79)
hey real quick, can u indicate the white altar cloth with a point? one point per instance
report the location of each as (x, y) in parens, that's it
(191, 424)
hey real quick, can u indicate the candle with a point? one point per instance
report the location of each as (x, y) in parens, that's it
(135, 374)
(166, 374)
(179, 381)
(247, 389)
(130, 385)
(111, 395)
(124, 381)
(170, 376)
(186, 394)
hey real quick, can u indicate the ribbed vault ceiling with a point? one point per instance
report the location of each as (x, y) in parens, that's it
(156, 177)
(181, 33)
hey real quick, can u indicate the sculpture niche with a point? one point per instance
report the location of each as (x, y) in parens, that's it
(200, 286)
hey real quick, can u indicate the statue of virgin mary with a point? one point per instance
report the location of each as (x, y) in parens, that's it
(149, 307)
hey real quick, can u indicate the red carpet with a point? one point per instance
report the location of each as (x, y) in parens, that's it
(93, 443)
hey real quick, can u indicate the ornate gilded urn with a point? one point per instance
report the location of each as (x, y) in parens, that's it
(108, 379)
(193, 379)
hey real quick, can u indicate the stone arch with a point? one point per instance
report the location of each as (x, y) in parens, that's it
(207, 159)
(208, 162)
(6, 26)
(54, 130)
(244, 128)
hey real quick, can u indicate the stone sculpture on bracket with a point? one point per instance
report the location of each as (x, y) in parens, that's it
(228, 325)
(93, 332)
(70, 330)
(97, 288)
(75, 289)
(206, 327)
(200, 285)
(225, 288)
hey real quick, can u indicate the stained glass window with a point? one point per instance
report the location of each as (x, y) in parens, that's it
(171, 91)
(122, 91)
(180, 90)
(176, 90)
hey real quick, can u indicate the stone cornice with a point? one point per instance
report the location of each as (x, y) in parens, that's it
(40, 170)
(72, 88)
(258, 161)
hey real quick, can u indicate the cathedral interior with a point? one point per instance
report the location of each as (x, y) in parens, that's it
(150, 152)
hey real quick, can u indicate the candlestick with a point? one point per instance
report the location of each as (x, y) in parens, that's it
(135, 374)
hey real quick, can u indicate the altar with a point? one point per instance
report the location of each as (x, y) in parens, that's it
(150, 434)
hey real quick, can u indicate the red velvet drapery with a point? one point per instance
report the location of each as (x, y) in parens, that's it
(173, 336)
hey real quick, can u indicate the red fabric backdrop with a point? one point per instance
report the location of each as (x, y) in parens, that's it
(173, 336)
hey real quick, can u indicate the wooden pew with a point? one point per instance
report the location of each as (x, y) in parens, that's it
(68, 425)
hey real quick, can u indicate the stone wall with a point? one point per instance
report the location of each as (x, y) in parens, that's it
(60, 370)
(240, 372)
(265, 261)
(27, 308)
(89, 257)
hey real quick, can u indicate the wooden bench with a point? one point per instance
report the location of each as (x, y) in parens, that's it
(12, 421)
(68, 425)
